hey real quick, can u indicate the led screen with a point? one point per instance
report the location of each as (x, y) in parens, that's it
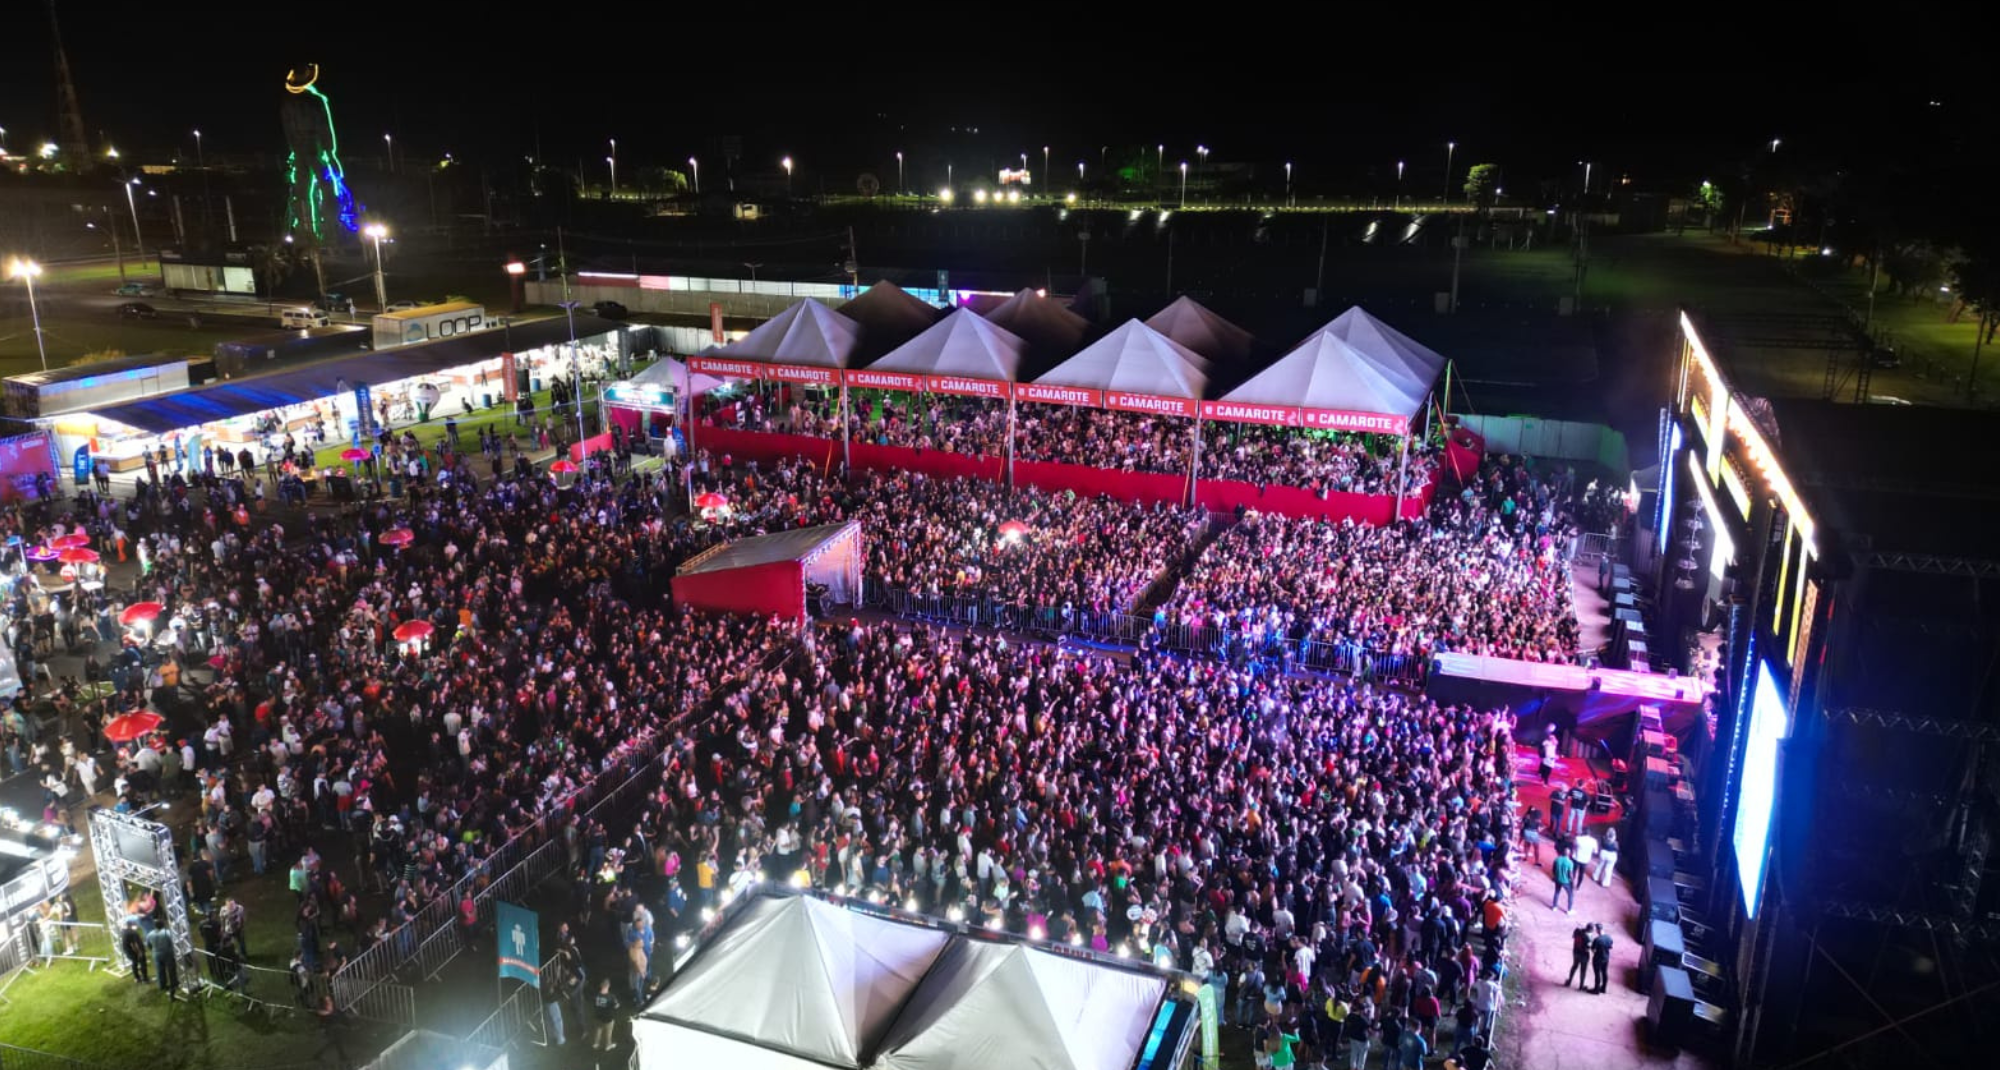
(1768, 725)
(1663, 524)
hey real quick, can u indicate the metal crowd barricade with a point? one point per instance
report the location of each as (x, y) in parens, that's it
(1591, 546)
(521, 1011)
(80, 941)
(257, 986)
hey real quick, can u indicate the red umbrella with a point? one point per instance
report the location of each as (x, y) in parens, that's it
(412, 630)
(77, 555)
(563, 466)
(127, 727)
(397, 537)
(1013, 529)
(71, 541)
(140, 611)
(710, 500)
(355, 453)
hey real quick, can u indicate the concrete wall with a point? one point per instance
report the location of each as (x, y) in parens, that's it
(683, 302)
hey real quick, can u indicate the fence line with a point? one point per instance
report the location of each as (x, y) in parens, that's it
(79, 941)
(520, 1011)
(1591, 546)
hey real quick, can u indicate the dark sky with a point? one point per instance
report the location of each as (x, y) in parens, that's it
(840, 91)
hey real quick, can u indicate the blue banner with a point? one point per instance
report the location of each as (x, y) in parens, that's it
(364, 408)
(520, 944)
(80, 465)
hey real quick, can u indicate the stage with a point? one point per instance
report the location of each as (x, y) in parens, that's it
(1588, 701)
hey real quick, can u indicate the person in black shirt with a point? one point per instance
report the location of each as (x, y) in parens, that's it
(603, 1017)
(1579, 956)
(1600, 959)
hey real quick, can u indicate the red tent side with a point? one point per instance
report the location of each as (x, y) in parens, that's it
(774, 589)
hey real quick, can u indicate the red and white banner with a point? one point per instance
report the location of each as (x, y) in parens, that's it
(1337, 420)
(979, 388)
(801, 373)
(1060, 395)
(886, 380)
(715, 323)
(734, 369)
(1236, 412)
(510, 382)
(1118, 399)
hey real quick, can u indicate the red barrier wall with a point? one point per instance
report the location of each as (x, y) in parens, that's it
(596, 443)
(776, 589)
(764, 446)
(1224, 495)
(868, 457)
(1148, 487)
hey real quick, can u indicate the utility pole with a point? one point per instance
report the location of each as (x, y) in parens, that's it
(853, 260)
(1874, 275)
(1170, 260)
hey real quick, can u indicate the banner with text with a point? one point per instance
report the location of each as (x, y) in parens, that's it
(520, 944)
(1060, 395)
(1118, 399)
(1337, 420)
(1237, 412)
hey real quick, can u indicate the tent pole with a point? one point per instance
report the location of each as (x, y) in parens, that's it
(1194, 457)
(1448, 365)
(844, 465)
(1010, 436)
(1402, 464)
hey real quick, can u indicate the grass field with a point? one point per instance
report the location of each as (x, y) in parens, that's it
(69, 337)
(136, 270)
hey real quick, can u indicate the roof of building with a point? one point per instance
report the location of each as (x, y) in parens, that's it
(311, 382)
(114, 366)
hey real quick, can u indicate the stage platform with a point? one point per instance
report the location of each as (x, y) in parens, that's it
(1570, 695)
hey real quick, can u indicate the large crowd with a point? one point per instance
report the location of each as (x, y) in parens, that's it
(1302, 842)
(1103, 438)
(966, 425)
(1486, 572)
(1308, 843)
(1321, 461)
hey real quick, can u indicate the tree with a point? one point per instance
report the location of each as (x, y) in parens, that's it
(1482, 185)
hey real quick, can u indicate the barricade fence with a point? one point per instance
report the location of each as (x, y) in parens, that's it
(80, 941)
(520, 1012)
(1592, 546)
(1213, 640)
(263, 987)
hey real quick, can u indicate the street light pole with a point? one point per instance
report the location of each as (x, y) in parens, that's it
(1399, 185)
(1183, 183)
(137, 237)
(1045, 166)
(576, 374)
(1288, 182)
(1449, 148)
(26, 270)
(613, 158)
(375, 232)
(786, 163)
(389, 152)
(901, 188)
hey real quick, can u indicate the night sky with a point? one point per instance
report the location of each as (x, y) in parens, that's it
(840, 89)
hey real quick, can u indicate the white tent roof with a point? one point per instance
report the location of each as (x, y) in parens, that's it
(798, 975)
(807, 333)
(1041, 321)
(1136, 359)
(797, 544)
(1190, 323)
(1357, 363)
(673, 374)
(887, 306)
(990, 1004)
(665, 1044)
(961, 344)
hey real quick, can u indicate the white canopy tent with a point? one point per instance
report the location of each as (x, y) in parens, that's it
(962, 344)
(808, 333)
(1355, 364)
(1000, 1004)
(1190, 323)
(1134, 359)
(793, 982)
(888, 316)
(1045, 324)
(673, 374)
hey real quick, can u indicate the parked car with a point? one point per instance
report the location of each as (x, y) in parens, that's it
(136, 289)
(610, 310)
(403, 306)
(137, 310)
(297, 318)
(334, 301)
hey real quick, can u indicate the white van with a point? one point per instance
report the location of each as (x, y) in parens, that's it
(297, 318)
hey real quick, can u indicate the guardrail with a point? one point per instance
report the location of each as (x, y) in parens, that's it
(521, 1011)
(1591, 546)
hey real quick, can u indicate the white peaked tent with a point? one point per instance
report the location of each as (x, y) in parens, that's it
(793, 982)
(962, 344)
(807, 333)
(1357, 363)
(1134, 359)
(1042, 322)
(888, 316)
(671, 373)
(1190, 323)
(988, 1005)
